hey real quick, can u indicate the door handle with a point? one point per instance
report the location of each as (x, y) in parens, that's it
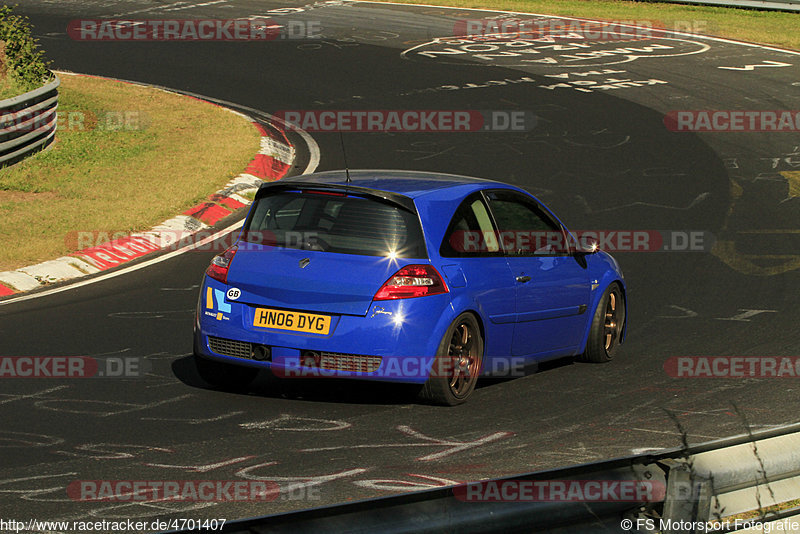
(523, 279)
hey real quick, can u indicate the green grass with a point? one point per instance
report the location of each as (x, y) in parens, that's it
(765, 27)
(9, 87)
(101, 178)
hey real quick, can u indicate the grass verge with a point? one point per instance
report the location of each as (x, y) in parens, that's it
(126, 158)
(9, 87)
(764, 27)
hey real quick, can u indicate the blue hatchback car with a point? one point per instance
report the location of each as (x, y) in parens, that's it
(403, 276)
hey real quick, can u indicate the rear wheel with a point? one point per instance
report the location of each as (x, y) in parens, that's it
(223, 375)
(607, 325)
(458, 362)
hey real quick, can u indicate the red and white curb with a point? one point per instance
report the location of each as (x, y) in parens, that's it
(272, 162)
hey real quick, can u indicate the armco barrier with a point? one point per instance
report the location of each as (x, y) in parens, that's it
(707, 482)
(28, 122)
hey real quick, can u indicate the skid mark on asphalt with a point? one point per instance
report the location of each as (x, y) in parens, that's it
(743, 314)
(426, 441)
(12, 398)
(190, 288)
(194, 420)
(143, 510)
(297, 424)
(299, 481)
(106, 451)
(685, 313)
(176, 6)
(208, 467)
(388, 484)
(27, 439)
(64, 406)
(675, 433)
(193, 6)
(26, 493)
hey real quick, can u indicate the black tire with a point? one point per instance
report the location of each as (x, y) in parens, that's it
(457, 365)
(223, 375)
(607, 325)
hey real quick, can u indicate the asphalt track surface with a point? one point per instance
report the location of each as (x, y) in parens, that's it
(602, 159)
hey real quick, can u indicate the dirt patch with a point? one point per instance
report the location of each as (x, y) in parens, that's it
(22, 196)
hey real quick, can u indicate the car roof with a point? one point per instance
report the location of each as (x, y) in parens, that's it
(412, 184)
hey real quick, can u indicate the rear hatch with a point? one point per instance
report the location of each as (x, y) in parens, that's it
(323, 250)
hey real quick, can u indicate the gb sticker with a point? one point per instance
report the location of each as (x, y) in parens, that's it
(233, 293)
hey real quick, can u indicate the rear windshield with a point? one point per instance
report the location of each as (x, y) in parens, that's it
(334, 222)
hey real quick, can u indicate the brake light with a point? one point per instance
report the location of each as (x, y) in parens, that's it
(218, 270)
(328, 193)
(412, 281)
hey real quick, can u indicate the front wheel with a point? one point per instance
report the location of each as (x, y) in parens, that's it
(457, 365)
(607, 325)
(223, 375)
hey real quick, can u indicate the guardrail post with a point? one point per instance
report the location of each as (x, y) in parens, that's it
(688, 499)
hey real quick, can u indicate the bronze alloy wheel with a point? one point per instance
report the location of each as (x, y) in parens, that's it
(458, 363)
(464, 359)
(610, 327)
(608, 321)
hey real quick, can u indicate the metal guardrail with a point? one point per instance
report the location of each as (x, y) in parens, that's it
(722, 484)
(28, 122)
(707, 482)
(775, 5)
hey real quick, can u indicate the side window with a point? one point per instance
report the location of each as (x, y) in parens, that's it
(524, 229)
(471, 232)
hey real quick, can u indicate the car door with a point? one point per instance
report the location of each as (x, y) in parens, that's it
(478, 275)
(552, 287)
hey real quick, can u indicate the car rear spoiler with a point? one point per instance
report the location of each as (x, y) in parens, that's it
(396, 199)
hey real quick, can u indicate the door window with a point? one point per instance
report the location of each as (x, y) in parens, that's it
(524, 228)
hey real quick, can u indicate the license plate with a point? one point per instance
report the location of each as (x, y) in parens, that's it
(293, 321)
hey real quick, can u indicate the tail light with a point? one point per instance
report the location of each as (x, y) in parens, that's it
(412, 281)
(218, 270)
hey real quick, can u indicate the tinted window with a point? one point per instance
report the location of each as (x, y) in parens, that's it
(524, 228)
(471, 232)
(333, 222)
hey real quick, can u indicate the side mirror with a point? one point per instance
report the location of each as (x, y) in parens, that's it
(584, 249)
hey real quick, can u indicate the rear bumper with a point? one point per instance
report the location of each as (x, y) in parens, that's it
(395, 341)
